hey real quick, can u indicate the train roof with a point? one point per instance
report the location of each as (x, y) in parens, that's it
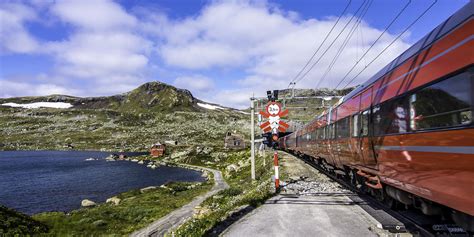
(441, 30)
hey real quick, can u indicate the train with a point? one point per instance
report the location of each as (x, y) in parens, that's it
(406, 135)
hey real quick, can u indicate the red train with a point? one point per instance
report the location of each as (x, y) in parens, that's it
(407, 134)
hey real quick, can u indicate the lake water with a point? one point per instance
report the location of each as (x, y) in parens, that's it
(39, 181)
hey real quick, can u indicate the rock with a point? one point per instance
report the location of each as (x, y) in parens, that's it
(134, 160)
(294, 178)
(232, 168)
(201, 212)
(88, 203)
(110, 158)
(99, 223)
(141, 162)
(114, 200)
(89, 159)
(143, 190)
(153, 166)
(207, 150)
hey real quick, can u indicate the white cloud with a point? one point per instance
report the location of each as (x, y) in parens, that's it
(14, 37)
(94, 14)
(12, 88)
(103, 49)
(195, 83)
(270, 46)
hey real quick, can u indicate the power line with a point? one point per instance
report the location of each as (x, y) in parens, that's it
(344, 44)
(373, 44)
(393, 41)
(327, 49)
(317, 50)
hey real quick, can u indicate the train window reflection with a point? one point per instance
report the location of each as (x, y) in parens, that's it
(355, 125)
(364, 130)
(390, 117)
(444, 104)
(343, 128)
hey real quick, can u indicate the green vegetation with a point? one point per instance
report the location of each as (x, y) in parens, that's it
(243, 192)
(13, 223)
(136, 210)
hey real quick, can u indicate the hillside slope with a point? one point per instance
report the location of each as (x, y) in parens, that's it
(131, 121)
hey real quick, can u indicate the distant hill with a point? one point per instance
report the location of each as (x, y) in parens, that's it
(132, 121)
(149, 97)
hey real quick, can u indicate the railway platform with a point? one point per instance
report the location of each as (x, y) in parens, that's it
(311, 204)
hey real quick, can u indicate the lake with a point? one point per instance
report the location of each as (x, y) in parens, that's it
(40, 181)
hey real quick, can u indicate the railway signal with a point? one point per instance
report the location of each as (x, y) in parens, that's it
(273, 126)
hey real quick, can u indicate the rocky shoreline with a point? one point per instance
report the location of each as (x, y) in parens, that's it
(149, 164)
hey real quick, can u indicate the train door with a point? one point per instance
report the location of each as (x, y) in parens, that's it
(365, 141)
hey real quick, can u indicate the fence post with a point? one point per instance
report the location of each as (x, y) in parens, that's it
(277, 179)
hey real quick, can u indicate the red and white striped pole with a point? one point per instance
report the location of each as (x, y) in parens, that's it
(275, 163)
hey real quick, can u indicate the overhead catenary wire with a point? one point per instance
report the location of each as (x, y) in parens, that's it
(344, 44)
(332, 43)
(373, 43)
(393, 41)
(320, 45)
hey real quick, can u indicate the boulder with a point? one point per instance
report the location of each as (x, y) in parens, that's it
(99, 223)
(110, 158)
(232, 168)
(134, 160)
(141, 162)
(114, 200)
(88, 203)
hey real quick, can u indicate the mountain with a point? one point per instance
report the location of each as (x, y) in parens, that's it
(149, 97)
(132, 121)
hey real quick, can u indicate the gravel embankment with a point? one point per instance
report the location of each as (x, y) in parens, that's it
(302, 179)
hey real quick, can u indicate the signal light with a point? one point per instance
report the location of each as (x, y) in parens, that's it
(271, 140)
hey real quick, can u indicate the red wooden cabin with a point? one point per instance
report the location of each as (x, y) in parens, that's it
(157, 150)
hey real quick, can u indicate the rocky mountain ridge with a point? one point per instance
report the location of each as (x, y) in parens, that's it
(149, 97)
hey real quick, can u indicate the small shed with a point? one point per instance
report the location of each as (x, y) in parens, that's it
(157, 150)
(234, 141)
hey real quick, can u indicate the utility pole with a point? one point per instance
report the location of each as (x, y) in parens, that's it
(252, 136)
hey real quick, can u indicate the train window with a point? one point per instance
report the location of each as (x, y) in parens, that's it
(445, 104)
(333, 131)
(343, 128)
(355, 125)
(390, 117)
(364, 128)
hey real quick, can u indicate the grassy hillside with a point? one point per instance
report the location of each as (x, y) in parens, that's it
(131, 121)
(13, 223)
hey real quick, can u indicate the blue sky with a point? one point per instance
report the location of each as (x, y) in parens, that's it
(223, 51)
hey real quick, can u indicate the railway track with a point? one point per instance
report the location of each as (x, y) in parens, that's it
(409, 221)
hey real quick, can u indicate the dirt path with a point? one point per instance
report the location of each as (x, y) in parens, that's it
(179, 216)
